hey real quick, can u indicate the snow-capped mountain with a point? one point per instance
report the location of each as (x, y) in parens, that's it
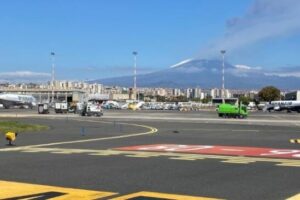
(208, 74)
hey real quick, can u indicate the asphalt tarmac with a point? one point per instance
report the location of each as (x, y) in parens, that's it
(84, 153)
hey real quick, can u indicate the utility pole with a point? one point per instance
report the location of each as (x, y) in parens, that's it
(52, 75)
(223, 78)
(134, 74)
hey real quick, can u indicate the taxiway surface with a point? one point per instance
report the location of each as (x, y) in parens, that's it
(85, 153)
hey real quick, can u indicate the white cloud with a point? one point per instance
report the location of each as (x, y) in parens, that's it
(290, 71)
(244, 70)
(265, 19)
(247, 68)
(284, 74)
(181, 63)
(243, 67)
(24, 76)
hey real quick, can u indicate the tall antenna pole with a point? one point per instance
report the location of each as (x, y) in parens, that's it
(223, 77)
(52, 75)
(134, 72)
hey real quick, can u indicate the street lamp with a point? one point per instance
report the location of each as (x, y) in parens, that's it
(52, 76)
(223, 78)
(134, 72)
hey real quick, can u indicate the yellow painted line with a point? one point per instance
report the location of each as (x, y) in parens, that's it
(152, 130)
(143, 155)
(188, 157)
(240, 160)
(223, 158)
(16, 190)
(107, 152)
(289, 164)
(164, 196)
(169, 155)
(29, 191)
(295, 141)
(296, 197)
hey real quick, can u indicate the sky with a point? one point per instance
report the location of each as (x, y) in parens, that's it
(94, 39)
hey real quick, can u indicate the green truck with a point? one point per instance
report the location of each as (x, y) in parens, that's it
(227, 110)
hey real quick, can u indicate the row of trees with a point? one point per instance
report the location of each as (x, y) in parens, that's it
(179, 99)
(269, 93)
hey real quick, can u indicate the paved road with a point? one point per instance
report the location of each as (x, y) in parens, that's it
(84, 153)
(256, 117)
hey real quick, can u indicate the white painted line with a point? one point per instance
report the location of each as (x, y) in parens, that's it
(171, 118)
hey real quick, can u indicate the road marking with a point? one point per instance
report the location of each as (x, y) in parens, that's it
(239, 160)
(190, 157)
(159, 196)
(218, 150)
(17, 191)
(282, 122)
(169, 155)
(14, 190)
(277, 117)
(232, 149)
(295, 141)
(152, 130)
(296, 197)
(245, 130)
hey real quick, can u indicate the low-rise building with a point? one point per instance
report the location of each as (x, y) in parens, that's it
(294, 96)
(119, 97)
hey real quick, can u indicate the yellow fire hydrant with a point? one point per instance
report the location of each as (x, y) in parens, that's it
(10, 137)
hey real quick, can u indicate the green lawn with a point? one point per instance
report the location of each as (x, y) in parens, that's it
(19, 127)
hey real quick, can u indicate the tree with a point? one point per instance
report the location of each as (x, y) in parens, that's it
(141, 96)
(196, 99)
(256, 101)
(160, 98)
(269, 93)
(181, 99)
(206, 99)
(245, 100)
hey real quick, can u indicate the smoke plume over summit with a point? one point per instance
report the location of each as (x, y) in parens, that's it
(265, 19)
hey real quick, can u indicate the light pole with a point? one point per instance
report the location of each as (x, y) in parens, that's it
(223, 78)
(52, 75)
(134, 72)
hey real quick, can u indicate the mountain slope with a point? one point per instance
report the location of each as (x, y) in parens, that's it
(207, 74)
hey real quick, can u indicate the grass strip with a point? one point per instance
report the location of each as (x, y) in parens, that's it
(20, 127)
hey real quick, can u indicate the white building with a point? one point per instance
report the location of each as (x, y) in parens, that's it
(203, 95)
(217, 93)
(161, 92)
(295, 96)
(176, 92)
(189, 93)
(197, 93)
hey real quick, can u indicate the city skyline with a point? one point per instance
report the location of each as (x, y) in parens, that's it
(94, 40)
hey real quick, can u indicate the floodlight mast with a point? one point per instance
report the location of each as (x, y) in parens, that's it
(52, 76)
(223, 76)
(134, 75)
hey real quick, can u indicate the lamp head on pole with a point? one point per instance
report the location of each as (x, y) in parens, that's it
(52, 54)
(135, 53)
(223, 51)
